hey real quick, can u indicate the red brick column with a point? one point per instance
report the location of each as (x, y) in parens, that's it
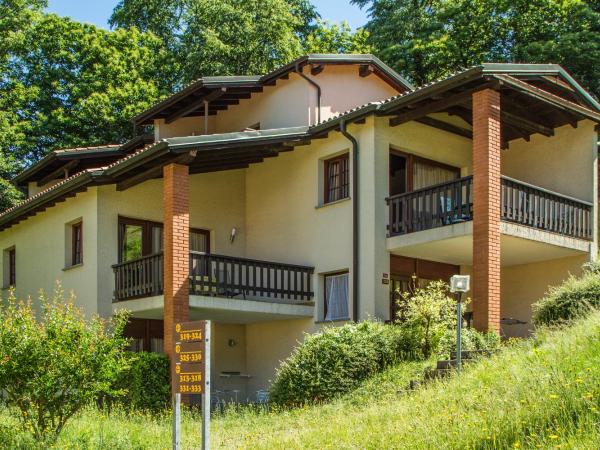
(176, 249)
(486, 210)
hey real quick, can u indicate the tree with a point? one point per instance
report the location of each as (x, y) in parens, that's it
(51, 367)
(428, 39)
(224, 37)
(333, 38)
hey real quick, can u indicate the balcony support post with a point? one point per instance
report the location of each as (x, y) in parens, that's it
(176, 249)
(486, 209)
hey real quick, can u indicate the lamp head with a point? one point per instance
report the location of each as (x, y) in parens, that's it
(460, 283)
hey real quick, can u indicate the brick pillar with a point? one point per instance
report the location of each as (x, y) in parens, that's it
(176, 249)
(486, 210)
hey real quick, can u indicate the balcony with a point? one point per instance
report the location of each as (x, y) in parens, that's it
(521, 203)
(218, 276)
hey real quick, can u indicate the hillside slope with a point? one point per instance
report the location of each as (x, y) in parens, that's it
(541, 393)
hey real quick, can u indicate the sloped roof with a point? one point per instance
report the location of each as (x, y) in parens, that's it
(243, 86)
(561, 93)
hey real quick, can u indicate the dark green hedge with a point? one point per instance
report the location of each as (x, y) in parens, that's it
(145, 384)
(576, 297)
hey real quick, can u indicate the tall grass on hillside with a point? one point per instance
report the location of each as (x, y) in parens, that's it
(540, 393)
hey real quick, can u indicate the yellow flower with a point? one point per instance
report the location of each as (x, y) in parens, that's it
(553, 396)
(553, 436)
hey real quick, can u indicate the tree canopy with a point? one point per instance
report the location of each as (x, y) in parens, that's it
(428, 39)
(64, 83)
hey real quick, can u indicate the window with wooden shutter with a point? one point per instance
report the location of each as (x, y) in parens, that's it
(12, 267)
(337, 178)
(77, 243)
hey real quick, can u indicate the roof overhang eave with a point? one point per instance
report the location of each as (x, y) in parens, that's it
(77, 182)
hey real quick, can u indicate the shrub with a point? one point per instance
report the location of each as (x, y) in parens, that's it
(145, 384)
(336, 360)
(574, 298)
(471, 340)
(428, 313)
(53, 366)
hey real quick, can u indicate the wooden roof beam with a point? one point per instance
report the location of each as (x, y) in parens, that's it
(365, 70)
(431, 107)
(61, 172)
(195, 105)
(445, 126)
(527, 124)
(316, 69)
(153, 172)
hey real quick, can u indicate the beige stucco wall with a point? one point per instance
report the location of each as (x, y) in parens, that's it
(268, 343)
(40, 243)
(563, 163)
(523, 285)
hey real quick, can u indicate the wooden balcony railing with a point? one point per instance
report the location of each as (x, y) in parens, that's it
(226, 276)
(521, 203)
(142, 277)
(540, 208)
(431, 207)
(217, 275)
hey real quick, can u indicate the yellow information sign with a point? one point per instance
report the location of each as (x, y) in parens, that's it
(190, 364)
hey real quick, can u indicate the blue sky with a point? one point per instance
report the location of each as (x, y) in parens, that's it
(98, 11)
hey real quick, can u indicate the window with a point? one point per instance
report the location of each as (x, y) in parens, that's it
(336, 296)
(138, 238)
(410, 172)
(11, 278)
(77, 243)
(337, 178)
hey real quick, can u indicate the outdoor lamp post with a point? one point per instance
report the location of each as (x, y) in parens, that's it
(460, 284)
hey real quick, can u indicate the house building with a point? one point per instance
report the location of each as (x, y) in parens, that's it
(275, 204)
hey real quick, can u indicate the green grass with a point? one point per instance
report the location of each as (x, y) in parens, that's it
(540, 393)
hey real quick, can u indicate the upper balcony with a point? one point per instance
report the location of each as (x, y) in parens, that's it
(522, 203)
(536, 224)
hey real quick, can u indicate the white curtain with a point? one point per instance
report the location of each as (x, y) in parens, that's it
(336, 297)
(428, 175)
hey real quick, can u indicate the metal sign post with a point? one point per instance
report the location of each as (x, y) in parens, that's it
(459, 333)
(191, 374)
(206, 393)
(177, 422)
(460, 284)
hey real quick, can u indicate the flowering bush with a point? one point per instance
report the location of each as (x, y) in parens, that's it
(54, 365)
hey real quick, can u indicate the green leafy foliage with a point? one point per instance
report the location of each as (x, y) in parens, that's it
(575, 297)
(471, 340)
(51, 367)
(145, 384)
(224, 37)
(427, 313)
(334, 38)
(428, 39)
(336, 360)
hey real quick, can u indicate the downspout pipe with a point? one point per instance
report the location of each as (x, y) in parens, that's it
(355, 219)
(317, 87)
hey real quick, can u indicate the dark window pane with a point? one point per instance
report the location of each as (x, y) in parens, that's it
(77, 244)
(132, 242)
